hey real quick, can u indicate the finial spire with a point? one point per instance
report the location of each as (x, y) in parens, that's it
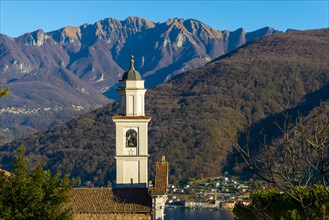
(132, 62)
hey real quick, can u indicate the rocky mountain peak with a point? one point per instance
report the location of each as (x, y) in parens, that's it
(199, 28)
(67, 35)
(73, 33)
(36, 38)
(178, 22)
(139, 22)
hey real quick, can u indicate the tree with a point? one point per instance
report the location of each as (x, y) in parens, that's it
(273, 204)
(34, 194)
(296, 165)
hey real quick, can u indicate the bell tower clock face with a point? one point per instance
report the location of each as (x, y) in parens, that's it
(131, 138)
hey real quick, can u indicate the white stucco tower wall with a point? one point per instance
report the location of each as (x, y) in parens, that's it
(131, 132)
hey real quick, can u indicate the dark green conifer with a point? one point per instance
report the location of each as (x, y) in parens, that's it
(34, 194)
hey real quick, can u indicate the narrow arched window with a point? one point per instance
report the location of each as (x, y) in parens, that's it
(131, 138)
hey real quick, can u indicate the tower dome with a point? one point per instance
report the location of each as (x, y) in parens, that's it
(131, 74)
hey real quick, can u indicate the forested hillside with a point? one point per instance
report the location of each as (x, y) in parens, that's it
(195, 114)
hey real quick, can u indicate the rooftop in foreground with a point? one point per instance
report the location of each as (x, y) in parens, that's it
(111, 200)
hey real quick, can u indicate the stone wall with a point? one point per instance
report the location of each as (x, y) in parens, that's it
(112, 216)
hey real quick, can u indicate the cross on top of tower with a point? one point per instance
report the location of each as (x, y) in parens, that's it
(132, 62)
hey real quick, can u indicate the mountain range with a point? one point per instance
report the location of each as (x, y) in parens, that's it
(64, 73)
(196, 115)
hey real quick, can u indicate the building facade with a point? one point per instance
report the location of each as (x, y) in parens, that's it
(131, 197)
(131, 132)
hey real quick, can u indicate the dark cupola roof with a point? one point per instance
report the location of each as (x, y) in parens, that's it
(131, 74)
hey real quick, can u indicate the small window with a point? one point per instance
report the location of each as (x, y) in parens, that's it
(131, 138)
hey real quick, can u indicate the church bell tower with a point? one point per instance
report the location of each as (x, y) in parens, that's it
(131, 132)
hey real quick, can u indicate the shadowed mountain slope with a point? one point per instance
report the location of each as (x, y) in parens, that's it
(195, 114)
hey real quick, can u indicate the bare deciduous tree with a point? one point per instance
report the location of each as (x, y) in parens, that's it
(297, 160)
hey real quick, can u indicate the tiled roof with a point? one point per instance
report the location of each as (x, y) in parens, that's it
(111, 200)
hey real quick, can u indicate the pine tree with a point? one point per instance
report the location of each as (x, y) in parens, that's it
(34, 194)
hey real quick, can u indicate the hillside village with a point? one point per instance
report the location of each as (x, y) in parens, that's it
(14, 110)
(217, 193)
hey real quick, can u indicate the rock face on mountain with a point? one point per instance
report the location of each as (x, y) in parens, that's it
(98, 53)
(195, 115)
(74, 66)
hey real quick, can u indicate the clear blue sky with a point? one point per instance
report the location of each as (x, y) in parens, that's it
(19, 17)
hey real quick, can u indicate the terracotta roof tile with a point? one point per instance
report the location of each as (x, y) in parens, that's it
(111, 200)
